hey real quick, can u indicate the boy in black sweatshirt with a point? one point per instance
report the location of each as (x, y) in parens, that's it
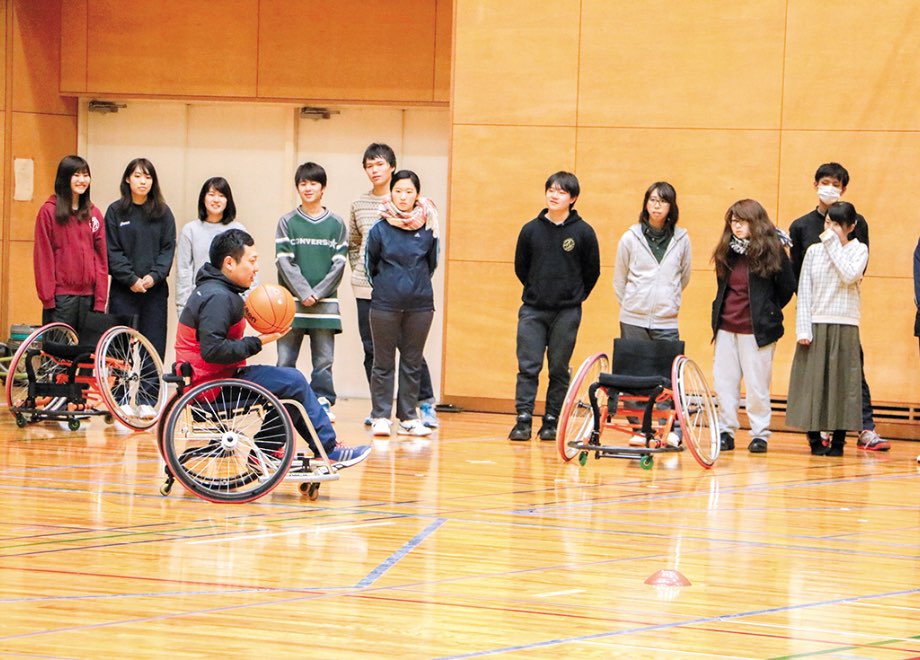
(558, 261)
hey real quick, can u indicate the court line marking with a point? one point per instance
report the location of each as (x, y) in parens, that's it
(393, 559)
(566, 592)
(311, 530)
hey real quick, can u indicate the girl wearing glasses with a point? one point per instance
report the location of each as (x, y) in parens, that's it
(755, 281)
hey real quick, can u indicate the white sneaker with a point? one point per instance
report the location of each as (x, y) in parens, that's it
(145, 411)
(673, 440)
(637, 441)
(127, 410)
(324, 402)
(381, 427)
(413, 427)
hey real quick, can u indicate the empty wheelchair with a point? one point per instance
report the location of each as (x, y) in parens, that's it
(110, 370)
(654, 396)
(233, 441)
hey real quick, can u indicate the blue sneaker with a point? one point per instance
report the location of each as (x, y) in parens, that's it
(428, 414)
(343, 457)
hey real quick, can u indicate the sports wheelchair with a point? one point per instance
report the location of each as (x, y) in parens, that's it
(655, 395)
(110, 370)
(233, 441)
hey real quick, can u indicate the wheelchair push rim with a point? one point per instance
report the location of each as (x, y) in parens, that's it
(129, 374)
(576, 421)
(47, 369)
(209, 441)
(696, 411)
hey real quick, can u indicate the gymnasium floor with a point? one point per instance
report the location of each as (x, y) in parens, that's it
(466, 545)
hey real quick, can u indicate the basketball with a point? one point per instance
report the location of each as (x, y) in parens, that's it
(269, 308)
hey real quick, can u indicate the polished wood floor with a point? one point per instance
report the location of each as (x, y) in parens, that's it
(464, 545)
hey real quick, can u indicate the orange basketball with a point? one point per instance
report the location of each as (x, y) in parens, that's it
(269, 308)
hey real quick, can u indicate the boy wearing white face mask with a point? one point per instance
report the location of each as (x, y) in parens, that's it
(831, 181)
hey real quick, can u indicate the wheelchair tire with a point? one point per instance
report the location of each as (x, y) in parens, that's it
(47, 370)
(696, 411)
(209, 441)
(576, 421)
(129, 373)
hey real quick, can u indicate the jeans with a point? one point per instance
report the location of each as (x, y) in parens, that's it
(405, 331)
(322, 352)
(549, 331)
(288, 383)
(426, 388)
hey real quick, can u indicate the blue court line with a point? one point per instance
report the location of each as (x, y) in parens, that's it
(392, 560)
(667, 626)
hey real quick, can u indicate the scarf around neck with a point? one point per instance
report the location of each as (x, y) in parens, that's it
(423, 214)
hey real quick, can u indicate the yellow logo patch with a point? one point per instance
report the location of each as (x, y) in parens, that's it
(568, 244)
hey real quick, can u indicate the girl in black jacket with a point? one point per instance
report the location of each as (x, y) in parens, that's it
(755, 281)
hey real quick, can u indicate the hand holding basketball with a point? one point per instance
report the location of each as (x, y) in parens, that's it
(269, 309)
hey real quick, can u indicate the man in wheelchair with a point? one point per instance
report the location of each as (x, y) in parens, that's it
(210, 338)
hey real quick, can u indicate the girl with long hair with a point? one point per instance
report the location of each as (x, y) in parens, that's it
(141, 237)
(71, 269)
(754, 281)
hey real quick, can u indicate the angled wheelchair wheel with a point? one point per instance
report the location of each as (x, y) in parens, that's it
(129, 375)
(576, 421)
(696, 411)
(45, 368)
(228, 441)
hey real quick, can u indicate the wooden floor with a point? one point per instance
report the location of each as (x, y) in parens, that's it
(466, 545)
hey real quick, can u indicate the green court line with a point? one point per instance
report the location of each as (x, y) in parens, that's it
(840, 649)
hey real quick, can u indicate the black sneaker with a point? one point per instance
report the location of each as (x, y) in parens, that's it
(548, 428)
(758, 446)
(522, 427)
(727, 441)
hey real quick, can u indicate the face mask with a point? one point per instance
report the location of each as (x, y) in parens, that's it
(828, 194)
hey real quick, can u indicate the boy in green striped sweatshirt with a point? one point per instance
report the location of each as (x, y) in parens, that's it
(310, 250)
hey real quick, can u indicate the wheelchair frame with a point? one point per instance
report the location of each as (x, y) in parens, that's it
(233, 441)
(51, 377)
(594, 403)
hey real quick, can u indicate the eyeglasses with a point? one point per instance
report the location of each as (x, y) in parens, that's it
(737, 221)
(657, 201)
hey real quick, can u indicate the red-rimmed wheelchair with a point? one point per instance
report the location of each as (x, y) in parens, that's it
(110, 370)
(654, 396)
(233, 441)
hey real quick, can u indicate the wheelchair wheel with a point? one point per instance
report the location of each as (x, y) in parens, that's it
(696, 411)
(45, 368)
(576, 421)
(129, 375)
(228, 441)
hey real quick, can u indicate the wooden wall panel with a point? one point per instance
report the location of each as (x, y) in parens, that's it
(4, 8)
(876, 162)
(347, 50)
(710, 170)
(497, 181)
(174, 47)
(74, 14)
(516, 62)
(645, 63)
(45, 139)
(862, 73)
(442, 53)
(23, 304)
(37, 58)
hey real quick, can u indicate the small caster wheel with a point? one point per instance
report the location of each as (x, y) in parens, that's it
(166, 488)
(73, 424)
(311, 490)
(583, 458)
(108, 419)
(21, 420)
(646, 462)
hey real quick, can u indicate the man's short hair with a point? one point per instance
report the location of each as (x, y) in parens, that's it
(310, 172)
(379, 150)
(231, 243)
(833, 171)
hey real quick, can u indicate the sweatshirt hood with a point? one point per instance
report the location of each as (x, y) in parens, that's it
(572, 218)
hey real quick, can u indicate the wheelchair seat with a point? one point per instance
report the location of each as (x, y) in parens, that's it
(68, 351)
(641, 366)
(633, 384)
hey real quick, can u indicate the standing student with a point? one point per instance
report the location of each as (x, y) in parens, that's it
(141, 239)
(310, 247)
(825, 390)
(71, 267)
(401, 256)
(558, 261)
(831, 180)
(652, 268)
(216, 214)
(379, 164)
(754, 282)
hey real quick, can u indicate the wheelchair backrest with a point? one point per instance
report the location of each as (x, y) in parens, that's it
(640, 357)
(97, 323)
